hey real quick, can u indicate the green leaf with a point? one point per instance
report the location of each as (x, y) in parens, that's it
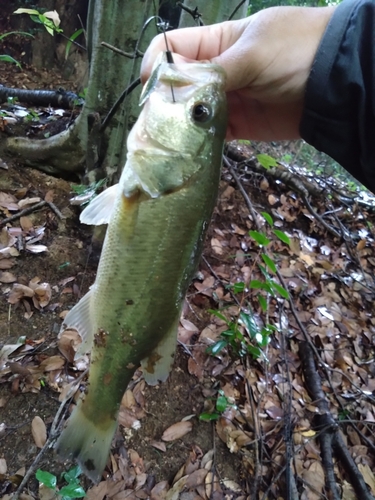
(268, 218)
(46, 478)
(71, 40)
(72, 490)
(269, 262)
(266, 161)
(260, 238)
(217, 347)
(238, 287)
(72, 474)
(218, 315)
(262, 302)
(221, 404)
(282, 236)
(254, 351)
(26, 11)
(249, 323)
(6, 58)
(208, 417)
(281, 290)
(15, 33)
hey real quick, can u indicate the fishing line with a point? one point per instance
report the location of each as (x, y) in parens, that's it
(163, 26)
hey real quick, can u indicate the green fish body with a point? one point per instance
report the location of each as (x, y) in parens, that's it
(157, 218)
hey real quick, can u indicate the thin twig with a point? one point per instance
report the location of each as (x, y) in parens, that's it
(114, 108)
(129, 55)
(29, 210)
(193, 12)
(55, 428)
(320, 219)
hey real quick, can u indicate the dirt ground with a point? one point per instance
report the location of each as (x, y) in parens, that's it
(262, 434)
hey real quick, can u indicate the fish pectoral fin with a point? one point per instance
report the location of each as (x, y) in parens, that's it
(79, 318)
(99, 211)
(157, 366)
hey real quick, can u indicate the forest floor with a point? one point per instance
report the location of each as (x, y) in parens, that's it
(271, 396)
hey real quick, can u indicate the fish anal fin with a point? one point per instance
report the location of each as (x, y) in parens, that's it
(80, 319)
(157, 366)
(99, 211)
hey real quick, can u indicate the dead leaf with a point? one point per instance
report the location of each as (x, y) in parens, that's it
(39, 431)
(3, 466)
(26, 223)
(158, 445)
(314, 477)
(7, 277)
(368, 476)
(28, 201)
(196, 478)
(217, 246)
(52, 363)
(159, 491)
(177, 431)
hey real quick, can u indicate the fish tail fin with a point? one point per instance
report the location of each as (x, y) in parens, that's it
(158, 365)
(87, 443)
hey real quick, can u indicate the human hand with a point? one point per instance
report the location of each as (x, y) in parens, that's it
(267, 57)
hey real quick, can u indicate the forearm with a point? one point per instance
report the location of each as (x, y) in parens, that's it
(339, 110)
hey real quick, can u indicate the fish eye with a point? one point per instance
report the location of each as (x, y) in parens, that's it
(201, 112)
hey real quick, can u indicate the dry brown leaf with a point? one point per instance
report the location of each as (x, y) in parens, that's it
(28, 201)
(196, 478)
(6, 263)
(177, 431)
(39, 431)
(174, 492)
(159, 491)
(217, 246)
(68, 344)
(52, 363)
(314, 476)
(26, 223)
(368, 476)
(46, 493)
(7, 277)
(97, 492)
(159, 445)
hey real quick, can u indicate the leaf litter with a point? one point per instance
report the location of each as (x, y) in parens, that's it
(330, 281)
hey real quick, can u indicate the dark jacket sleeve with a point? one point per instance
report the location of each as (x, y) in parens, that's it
(339, 113)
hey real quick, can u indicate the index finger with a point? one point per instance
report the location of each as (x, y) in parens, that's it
(198, 43)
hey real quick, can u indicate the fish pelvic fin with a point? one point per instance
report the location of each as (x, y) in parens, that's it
(80, 318)
(157, 366)
(87, 443)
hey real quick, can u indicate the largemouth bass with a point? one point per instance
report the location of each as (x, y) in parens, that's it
(157, 217)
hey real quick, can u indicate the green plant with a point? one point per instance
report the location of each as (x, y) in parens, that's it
(221, 404)
(245, 335)
(85, 194)
(5, 57)
(50, 20)
(71, 490)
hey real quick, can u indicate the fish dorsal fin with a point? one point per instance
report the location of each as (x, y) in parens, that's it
(99, 211)
(80, 319)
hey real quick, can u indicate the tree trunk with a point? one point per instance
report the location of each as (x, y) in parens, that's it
(82, 148)
(85, 148)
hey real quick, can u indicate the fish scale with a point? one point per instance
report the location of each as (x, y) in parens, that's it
(157, 218)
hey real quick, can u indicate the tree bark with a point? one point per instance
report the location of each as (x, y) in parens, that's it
(110, 73)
